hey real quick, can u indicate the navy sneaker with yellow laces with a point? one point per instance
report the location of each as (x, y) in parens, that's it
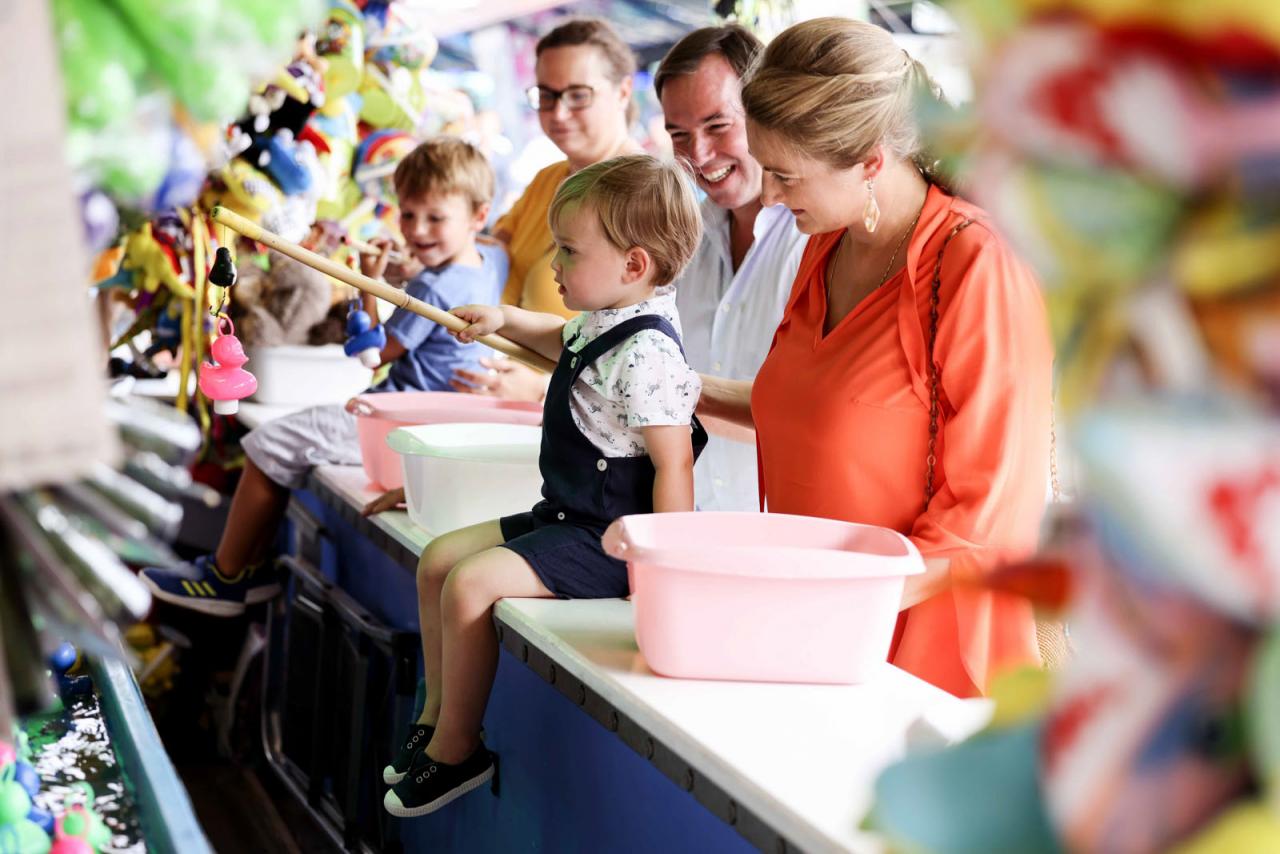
(429, 784)
(201, 586)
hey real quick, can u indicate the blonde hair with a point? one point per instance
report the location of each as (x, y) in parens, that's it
(834, 88)
(446, 164)
(640, 201)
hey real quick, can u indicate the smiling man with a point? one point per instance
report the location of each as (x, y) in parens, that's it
(732, 294)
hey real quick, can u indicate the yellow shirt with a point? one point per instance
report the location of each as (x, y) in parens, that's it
(531, 284)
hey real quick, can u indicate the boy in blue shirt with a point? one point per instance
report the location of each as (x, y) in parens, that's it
(444, 187)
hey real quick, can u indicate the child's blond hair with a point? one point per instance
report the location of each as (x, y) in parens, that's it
(444, 165)
(641, 201)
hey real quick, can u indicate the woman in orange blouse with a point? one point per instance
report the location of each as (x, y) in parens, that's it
(842, 405)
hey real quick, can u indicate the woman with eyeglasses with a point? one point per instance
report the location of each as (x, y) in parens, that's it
(583, 99)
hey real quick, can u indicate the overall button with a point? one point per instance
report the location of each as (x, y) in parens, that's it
(573, 363)
(560, 515)
(601, 465)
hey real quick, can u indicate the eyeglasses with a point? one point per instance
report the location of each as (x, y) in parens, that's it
(543, 99)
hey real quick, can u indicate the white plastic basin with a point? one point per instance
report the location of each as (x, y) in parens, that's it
(457, 475)
(306, 376)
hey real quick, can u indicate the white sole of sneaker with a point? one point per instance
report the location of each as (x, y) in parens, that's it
(392, 804)
(391, 776)
(265, 593)
(213, 607)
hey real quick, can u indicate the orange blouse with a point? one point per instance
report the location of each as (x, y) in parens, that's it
(842, 426)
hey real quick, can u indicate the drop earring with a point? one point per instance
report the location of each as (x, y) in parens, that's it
(871, 211)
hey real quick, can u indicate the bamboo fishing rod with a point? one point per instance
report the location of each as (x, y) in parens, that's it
(382, 290)
(395, 256)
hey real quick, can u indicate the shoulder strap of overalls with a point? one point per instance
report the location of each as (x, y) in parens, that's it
(613, 337)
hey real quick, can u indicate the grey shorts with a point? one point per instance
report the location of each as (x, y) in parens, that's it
(287, 448)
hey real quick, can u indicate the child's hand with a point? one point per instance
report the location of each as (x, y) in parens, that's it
(386, 501)
(375, 266)
(481, 320)
(401, 268)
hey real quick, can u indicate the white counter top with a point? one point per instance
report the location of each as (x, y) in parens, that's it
(803, 758)
(352, 485)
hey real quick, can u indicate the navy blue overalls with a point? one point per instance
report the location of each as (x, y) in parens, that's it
(583, 491)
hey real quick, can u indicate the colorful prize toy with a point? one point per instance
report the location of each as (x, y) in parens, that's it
(95, 832)
(366, 339)
(26, 777)
(24, 837)
(72, 835)
(63, 658)
(225, 381)
(15, 803)
(41, 819)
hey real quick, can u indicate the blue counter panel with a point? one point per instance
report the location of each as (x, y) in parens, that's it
(567, 783)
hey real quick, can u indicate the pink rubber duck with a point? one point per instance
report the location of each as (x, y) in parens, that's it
(226, 382)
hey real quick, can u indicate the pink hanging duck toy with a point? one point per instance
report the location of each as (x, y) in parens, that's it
(226, 382)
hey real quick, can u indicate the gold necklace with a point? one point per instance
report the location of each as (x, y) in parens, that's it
(894, 257)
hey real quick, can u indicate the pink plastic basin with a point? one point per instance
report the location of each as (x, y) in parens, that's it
(379, 414)
(763, 597)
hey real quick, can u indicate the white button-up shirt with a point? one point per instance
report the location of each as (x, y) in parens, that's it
(728, 320)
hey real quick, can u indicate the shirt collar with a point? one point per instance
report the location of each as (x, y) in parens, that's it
(768, 217)
(662, 303)
(716, 219)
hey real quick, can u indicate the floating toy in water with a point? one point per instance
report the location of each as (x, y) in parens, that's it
(366, 339)
(15, 803)
(97, 833)
(63, 658)
(41, 819)
(26, 777)
(73, 832)
(226, 382)
(25, 837)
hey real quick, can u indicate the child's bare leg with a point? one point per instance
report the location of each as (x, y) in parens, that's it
(256, 510)
(438, 560)
(470, 650)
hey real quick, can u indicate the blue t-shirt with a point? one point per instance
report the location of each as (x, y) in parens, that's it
(432, 354)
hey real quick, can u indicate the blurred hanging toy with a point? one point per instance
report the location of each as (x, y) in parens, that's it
(1132, 152)
(366, 339)
(224, 381)
(399, 47)
(148, 82)
(276, 177)
(1107, 138)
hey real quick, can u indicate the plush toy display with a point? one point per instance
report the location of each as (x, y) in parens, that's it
(1131, 151)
